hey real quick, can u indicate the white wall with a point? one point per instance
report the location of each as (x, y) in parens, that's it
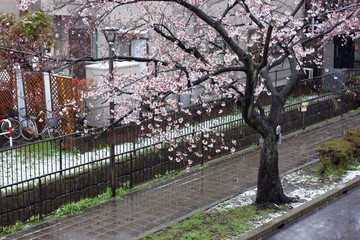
(329, 55)
(9, 7)
(99, 109)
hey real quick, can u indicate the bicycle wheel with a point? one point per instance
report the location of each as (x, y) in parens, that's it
(28, 129)
(15, 124)
(50, 134)
(54, 133)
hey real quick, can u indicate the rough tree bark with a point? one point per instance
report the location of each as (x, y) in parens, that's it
(269, 188)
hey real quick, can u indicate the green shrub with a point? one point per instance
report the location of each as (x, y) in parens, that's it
(336, 156)
(353, 136)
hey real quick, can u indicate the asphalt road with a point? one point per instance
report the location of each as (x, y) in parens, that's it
(340, 219)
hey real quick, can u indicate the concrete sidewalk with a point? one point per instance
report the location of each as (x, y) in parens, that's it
(160, 205)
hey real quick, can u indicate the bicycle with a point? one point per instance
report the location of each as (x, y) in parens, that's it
(29, 128)
(15, 124)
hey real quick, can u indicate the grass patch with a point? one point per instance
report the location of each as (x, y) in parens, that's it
(354, 111)
(70, 208)
(213, 224)
(167, 175)
(79, 206)
(339, 155)
(11, 229)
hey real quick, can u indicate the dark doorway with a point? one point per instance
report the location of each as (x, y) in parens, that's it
(343, 52)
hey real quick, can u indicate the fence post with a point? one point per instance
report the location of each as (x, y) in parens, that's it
(112, 166)
(60, 149)
(20, 87)
(48, 95)
(131, 164)
(40, 200)
(10, 130)
(303, 120)
(202, 147)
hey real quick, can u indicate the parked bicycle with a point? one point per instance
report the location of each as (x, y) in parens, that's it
(29, 129)
(15, 124)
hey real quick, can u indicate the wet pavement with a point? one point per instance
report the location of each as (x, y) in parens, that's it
(339, 220)
(160, 205)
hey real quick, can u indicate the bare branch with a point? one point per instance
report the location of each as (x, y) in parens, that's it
(192, 50)
(266, 46)
(295, 11)
(242, 55)
(260, 107)
(252, 17)
(264, 73)
(297, 8)
(228, 9)
(241, 94)
(294, 79)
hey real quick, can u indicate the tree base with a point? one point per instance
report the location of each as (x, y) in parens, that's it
(270, 205)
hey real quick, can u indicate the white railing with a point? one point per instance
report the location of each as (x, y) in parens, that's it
(10, 132)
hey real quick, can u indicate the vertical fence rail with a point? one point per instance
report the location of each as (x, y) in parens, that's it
(40, 199)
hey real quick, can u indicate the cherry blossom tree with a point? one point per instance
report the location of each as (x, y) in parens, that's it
(26, 39)
(215, 50)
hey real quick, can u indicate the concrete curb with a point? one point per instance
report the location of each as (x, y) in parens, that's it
(300, 211)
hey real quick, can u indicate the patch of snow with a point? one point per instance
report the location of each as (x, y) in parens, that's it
(245, 198)
(350, 175)
(306, 188)
(23, 164)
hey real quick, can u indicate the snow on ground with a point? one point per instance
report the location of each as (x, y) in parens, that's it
(36, 161)
(300, 183)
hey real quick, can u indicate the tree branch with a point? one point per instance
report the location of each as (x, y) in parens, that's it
(208, 76)
(266, 46)
(241, 94)
(322, 34)
(264, 72)
(194, 51)
(252, 17)
(218, 72)
(295, 11)
(242, 55)
(228, 9)
(294, 78)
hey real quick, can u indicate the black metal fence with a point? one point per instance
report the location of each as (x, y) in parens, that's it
(37, 178)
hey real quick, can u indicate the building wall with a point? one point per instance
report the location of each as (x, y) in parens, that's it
(329, 55)
(9, 7)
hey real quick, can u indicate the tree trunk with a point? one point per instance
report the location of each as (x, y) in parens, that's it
(269, 188)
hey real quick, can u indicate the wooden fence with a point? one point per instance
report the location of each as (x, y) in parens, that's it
(36, 98)
(8, 91)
